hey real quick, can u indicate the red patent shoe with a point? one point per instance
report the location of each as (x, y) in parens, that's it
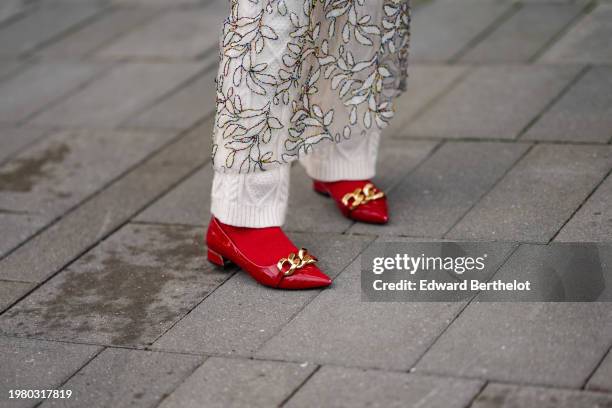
(267, 254)
(358, 200)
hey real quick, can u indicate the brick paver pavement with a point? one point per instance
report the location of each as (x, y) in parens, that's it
(106, 111)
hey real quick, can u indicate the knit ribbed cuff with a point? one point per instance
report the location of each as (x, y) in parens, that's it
(340, 170)
(248, 216)
(253, 200)
(348, 160)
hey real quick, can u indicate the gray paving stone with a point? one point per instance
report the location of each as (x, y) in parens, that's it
(538, 195)
(38, 365)
(602, 378)
(309, 211)
(396, 159)
(551, 1)
(11, 291)
(338, 328)
(41, 25)
(442, 29)
(41, 84)
(158, 2)
(12, 140)
(112, 99)
(126, 291)
(182, 109)
(593, 221)
(52, 249)
(349, 387)
(121, 378)
(555, 1)
(16, 227)
(188, 203)
(241, 314)
(67, 166)
(587, 42)
(67, 3)
(555, 344)
(9, 67)
(235, 320)
(502, 395)
(10, 9)
(425, 84)
(175, 34)
(563, 272)
(99, 33)
(523, 35)
(494, 102)
(583, 114)
(225, 382)
(430, 200)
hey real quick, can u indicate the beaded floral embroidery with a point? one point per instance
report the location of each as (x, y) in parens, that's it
(296, 73)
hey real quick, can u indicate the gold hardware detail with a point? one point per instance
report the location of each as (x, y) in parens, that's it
(298, 261)
(361, 196)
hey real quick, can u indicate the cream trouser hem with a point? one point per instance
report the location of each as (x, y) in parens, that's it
(260, 199)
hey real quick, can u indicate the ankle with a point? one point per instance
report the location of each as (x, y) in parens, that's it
(341, 187)
(264, 244)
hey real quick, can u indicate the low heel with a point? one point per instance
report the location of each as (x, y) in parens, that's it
(216, 258)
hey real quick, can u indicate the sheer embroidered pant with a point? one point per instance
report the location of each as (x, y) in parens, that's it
(260, 199)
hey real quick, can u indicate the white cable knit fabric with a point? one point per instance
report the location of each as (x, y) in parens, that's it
(260, 199)
(253, 200)
(353, 159)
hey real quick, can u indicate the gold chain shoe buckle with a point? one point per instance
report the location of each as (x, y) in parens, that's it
(362, 196)
(296, 261)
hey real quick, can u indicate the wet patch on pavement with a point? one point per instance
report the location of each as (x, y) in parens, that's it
(127, 291)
